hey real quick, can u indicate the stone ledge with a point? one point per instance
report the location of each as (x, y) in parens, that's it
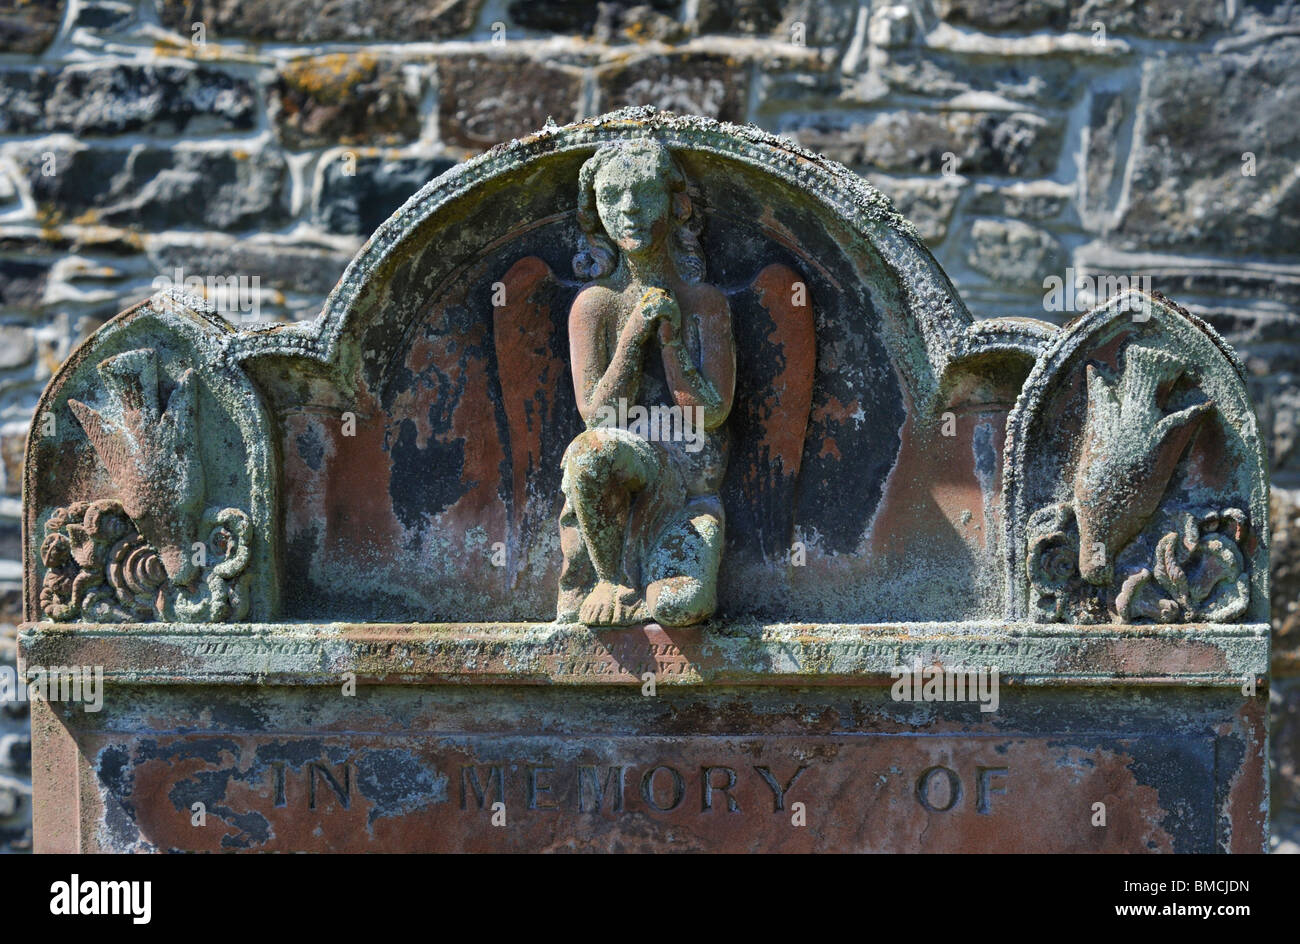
(795, 655)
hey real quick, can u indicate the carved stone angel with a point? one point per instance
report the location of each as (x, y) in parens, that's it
(654, 367)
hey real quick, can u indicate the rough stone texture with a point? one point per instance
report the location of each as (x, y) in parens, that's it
(1203, 113)
(1103, 156)
(639, 23)
(357, 193)
(346, 99)
(1284, 704)
(15, 743)
(1197, 91)
(1175, 19)
(713, 86)
(321, 21)
(808, 22)
(285, 268)
(891, 26)
(927, 72)
(13, 442)
(22, 282)
(106, 100)
(1286, 587)
(1172, 19)
(823, 23)
(788, 84)
(581, 17)
(486, 99)
(1257, 14)
(28, 26)
(15, 734)
(1032, 200)
(17, 346)
(1004, 14)
(104, 15)
(1015, 144)
(927, 202)
(156, 188)
(1013, 252)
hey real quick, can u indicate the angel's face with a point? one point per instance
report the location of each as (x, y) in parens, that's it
(633, 203)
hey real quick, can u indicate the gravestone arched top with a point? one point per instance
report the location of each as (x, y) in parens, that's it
(649, 369)
(645, 459)
(924, 320)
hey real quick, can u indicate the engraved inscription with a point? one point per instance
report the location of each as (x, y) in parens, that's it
(736, 792)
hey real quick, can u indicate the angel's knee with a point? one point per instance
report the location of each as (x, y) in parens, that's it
(684, 568)
(681, 600)
(602, 456)
(591, 451)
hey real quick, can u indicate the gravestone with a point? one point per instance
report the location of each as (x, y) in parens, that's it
(645, 485)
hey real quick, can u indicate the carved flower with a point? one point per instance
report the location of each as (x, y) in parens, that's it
(56, 551)
(76, 511)
(91, 527)
(1198, 573)
(1053, 561)
(56, 596)
(222, 593)
(105, 521)
(1208, 580)
(57, 521)
(136, 574)
(1140, 597)
(60, 569)
(1231, 522)
(57, 587)
(99, 568)
(77, 552)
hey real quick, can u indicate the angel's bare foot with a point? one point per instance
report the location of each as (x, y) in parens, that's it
(609, 604)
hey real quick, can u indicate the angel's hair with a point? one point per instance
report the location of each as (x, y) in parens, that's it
(597, 255)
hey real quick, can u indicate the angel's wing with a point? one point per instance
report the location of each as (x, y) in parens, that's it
(773, 321)
(530, 340)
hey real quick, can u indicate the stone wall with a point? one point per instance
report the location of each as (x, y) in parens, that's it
(248, 147)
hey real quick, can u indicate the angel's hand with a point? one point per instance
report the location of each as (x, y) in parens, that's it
(657, 307)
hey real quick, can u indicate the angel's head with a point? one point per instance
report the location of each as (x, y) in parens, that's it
(632, 198)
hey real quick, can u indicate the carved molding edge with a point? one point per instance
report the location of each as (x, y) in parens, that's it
(572, 655)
